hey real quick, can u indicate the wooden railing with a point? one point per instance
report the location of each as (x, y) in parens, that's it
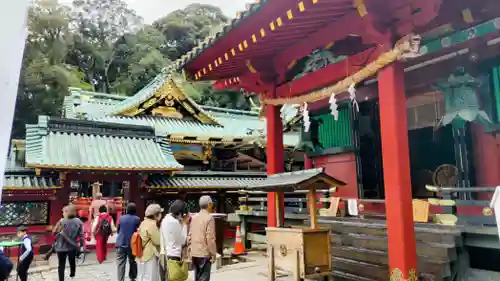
(467, 212)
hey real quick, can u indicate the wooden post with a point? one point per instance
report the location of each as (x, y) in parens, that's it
(275, 164)
(137, 196)
(312, 208)
(396, 164)
(271, 269)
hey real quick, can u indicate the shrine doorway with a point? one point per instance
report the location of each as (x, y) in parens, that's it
(439, 156)
(369, 151)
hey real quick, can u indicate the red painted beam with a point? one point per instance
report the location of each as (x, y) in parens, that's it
(368, 27)
(18, 197)
(355, 24)
(328, 75)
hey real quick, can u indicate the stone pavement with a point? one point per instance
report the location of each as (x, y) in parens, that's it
(252, 270)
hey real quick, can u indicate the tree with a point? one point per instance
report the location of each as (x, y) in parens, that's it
(45, 77)
(98, 25)
(102, 45)
(141, 60)
(183, 29)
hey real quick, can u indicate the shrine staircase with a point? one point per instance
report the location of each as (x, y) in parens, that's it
(359, 250)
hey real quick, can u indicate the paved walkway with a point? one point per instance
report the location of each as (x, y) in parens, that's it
(252, 270)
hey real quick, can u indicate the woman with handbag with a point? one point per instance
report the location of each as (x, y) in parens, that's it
(174, 231)
(68, 241)
(148, 262)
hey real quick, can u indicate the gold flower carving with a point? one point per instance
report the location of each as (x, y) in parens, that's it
(397, 275)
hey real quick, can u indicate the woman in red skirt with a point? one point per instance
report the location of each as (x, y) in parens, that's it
(102, 227)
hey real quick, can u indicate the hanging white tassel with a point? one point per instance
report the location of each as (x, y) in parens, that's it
(283, 112)
(334, 107)
(307, 121)
(352, 96)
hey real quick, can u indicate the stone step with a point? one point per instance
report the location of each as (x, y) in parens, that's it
(359, 268)
(445, 252)
(429, 265)
(339, 275)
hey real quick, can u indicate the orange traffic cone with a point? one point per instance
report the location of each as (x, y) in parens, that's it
(239, 249)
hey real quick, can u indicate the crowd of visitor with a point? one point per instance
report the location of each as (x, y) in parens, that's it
(159, 248)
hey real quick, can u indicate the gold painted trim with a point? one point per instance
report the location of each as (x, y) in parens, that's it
(101, 168)
(397, 275)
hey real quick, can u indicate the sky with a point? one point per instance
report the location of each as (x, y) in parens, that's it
(150, 10)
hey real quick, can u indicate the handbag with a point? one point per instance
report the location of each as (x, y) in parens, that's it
(177, 270)
(173, 269)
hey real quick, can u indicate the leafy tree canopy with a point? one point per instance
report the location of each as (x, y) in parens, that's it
(103, 46)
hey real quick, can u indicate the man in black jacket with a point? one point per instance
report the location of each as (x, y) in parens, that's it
(5, 266)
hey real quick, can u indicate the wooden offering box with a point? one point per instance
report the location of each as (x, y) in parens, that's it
(305, 252)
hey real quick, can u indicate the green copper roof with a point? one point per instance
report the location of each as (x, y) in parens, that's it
(80, 103)
(247, 122)
(167, 125)
(235, 127)
(75, 144)
(26, 181)
(206, 180)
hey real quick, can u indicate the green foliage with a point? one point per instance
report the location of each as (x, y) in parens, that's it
(103, 46)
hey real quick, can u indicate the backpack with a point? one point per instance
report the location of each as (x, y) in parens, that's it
(104, 227)
(136, 245)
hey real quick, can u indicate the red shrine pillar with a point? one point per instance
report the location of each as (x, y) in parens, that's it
(486, 153)
(61, 198)
(275, 164)
(396, 166)
(308, 163)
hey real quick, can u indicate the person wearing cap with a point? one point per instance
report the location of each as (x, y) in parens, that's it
(148, 264)
(26, 253)
(201, 240)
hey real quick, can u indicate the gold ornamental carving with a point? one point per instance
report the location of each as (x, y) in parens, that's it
(397, 275)
(487, 211)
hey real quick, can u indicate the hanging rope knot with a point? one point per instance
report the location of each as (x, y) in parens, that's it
(409, 46)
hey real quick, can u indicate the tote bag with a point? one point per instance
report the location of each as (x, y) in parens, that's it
(174, 270)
